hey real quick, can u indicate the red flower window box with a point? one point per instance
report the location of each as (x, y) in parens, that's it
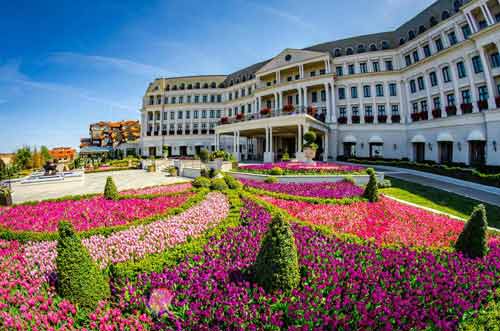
(424, 116)
(311, 110)
(382, 118)
(224, 120)
(369, 119)
(436, 113)
(451, 110)
(415, 117)
(396, 118)
(483, 104)
(466, 108)
(355, 119)
(265, 111)
(288, 108)
(342, 120)
(239, 116)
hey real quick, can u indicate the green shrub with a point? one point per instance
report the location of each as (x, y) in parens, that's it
(212, 172)
(386, 183)
(110, 191)
(218, 184)
(277, 264)
(204, 172)
(349, 179)
(172, 171)
(232, 182)
(271, 179)
(201, 181)
(5, 196)
(78, 278)
(204, 155)
(472, 241)
(276, 171)
(487, 319)
(371, 190)
(310, 140)
(285, 157)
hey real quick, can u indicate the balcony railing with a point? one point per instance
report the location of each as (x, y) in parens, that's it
(317, 113)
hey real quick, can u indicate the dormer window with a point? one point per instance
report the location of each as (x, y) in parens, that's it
(349, 51)
(385, 45)
(288, 57)
(411, 35)
(338, 52)
(197, 85)
(402, 41)
(167, 88)
(361, 48)
(182, 86)
(433, 21)
(190, 86)
(445, 15)
(373, 48)
(421, 29)
(213, 85)
(205, 85)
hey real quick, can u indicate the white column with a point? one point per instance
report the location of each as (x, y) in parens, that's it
(325, 147)
(278, 77)
(299, 138)
(487, 14)
(455, 78)
(301, 71)
(270, 139)
(328, 109)
(305, 97)
(489, 78)
(300, 97)
(280, 104)
(333, 118)
(473, 90)
(471, 21)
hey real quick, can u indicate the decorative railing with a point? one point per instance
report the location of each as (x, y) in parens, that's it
(288, 110)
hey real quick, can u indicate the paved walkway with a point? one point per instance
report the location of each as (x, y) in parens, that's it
(93, 183)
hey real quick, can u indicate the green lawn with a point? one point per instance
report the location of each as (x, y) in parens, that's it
(440, 200)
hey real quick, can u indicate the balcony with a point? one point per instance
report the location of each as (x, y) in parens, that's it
(268, 113)
(267, 85)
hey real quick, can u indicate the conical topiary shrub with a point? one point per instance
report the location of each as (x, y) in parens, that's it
(472, 241)
(277, 264)
(371, 190)
(79, 279)
(110, 191)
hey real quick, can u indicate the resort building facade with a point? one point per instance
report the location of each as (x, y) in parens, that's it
(430, 90)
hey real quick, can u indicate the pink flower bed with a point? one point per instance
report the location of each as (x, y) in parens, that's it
(304, 168)
(157, 190)
(315, 190)
(85, 214)
(138, 241)
(387, 221)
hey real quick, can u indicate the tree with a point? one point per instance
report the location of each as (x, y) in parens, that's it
(472, 242)
(79, 279)
(45, 154)
(277, 264)
(310, 140)
(371, 190)
(23, 158)
(36, 158)
(110, 191)
(204, 155)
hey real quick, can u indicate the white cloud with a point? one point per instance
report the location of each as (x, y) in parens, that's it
(124, 65)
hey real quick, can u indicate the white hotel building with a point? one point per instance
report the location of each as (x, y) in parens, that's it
(430, 90)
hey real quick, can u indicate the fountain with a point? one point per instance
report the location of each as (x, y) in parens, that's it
(51, 175)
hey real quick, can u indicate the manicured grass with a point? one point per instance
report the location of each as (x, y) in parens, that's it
(440, 200)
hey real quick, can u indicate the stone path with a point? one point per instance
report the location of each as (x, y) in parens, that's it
(93, 183)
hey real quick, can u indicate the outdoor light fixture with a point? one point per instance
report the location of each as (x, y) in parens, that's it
(459, 146)
(495, 145)
(430, 146)
(362, 145)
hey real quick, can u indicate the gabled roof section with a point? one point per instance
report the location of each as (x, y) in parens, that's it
(290, 56)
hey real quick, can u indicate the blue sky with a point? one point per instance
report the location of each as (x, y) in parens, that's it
(65, 64)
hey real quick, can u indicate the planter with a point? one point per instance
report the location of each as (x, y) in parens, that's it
(311, 111)
(451, 110)
(483, 105)
(382, 118)
(342, 120)
(265, 111)
(239, 117)
(466, 108)
(396, 118)
(415, 117)
(224, 120)
(436, 113)
(355, 119)
(288, 108)
(309, 154)
(369, 119)
(424, 115)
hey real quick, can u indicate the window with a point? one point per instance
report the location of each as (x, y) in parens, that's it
(381, 110)
(439, 44)
(427, 50)
(433, 78)
(421, 84)
(393, 90)
(203, 114)
(355, 111)
(172, 116)
(450, 98)
(423, 106)
(314, 96)
(196, 99)
(379, 90)
(342, 112)
(158, 99)
(416, 58)
(446, 75)
(195, 114)
(495, 60)
(351, 69)
(322, 71)
(376, 66)
(174, 100)
(461, 70)
(368, 110)
(312, 73)
(188, 98)
(477, 65)
(408, 60)
(354, 92)
(466, 31)
(363, 68)
(323, 95)
(415, 107)
(367, 91)
(413, 86)
(437, 102)
(165, 116)
(340, 71)
(188, 114)
(179, 115)
(483, 93)
(466, 96)
(452, 37)
(341, 93)
(395, 109)
(388, 65)
(150, 116)
(219, 98)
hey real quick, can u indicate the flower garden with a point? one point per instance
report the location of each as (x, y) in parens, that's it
(189, 258)
(300, 168)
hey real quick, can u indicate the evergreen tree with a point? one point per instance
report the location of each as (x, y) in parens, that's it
(371, 190)
(472, 242)
(110, 191)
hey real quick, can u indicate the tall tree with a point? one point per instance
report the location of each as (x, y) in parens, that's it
(45, 154)
(23, 158)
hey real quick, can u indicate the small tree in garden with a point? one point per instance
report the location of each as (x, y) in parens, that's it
(5, 196)
(277, 264)
(310, 140)
(110, 191)
(204, 155)
(472, 241)
(78, 277)
(371, 190)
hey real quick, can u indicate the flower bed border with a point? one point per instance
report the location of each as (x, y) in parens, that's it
(24, 236)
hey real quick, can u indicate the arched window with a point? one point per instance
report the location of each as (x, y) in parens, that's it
(361, 48)
(445, 15)
(231, 83)
(402, 41)
(338, 52)
(237, 81)
(244, 79)
(213, 85)
(174, 88)
(167, 88)
(182, 86)
(205, 85)
(190, 86)
(349, 51)
(411, 35)
(373, 48)
(421, 29)
(197, 85)
(385, 44)
(456, 5)
(433, 21)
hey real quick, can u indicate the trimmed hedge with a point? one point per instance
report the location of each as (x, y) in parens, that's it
(201, 181)
(232, 182)
(472, 242)
(467, 174)
(110, 190)
(218, 184)
(176, 254)
(371, 190)
(24, 236)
